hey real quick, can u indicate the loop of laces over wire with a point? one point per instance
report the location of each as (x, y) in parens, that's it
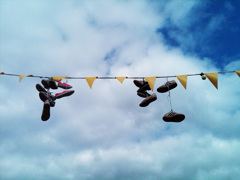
(169, 95)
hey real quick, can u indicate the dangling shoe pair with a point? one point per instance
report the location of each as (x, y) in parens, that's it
(170, 116)
(142, 92)
(48, 98)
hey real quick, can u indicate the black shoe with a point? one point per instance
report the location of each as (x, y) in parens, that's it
(45, 96)
(148, 100)
(144, 88)
(40, 88)
(139, 83)
(46, 111)
(173, 117)
(45, 83)
(53, 84)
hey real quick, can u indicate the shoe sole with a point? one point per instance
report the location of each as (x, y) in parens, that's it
(177, 118)
(45, 84)
(40, 88)
(46, 112)
(69, 93)
(138, 83)
(143, 95)
(53, 85)
(147, 101)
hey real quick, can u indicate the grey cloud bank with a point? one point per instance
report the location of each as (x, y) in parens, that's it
(102, 133)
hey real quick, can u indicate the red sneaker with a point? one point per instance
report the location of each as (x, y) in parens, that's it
(64, 85)
(64, 93)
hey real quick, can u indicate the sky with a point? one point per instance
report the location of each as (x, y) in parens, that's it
(102, 133)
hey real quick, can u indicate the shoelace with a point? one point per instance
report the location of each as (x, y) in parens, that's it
(171, 113)
(169, 94)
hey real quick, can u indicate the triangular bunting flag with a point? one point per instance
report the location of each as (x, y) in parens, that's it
(121, 79)
(183, 80)
(22, 76)
(59, 78)
(151, 81)
(90, 80)
(213, 77)
(238, 73)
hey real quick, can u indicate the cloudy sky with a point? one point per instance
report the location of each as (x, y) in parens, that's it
(102, 133)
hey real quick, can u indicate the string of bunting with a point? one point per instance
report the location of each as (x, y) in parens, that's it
(212, 77)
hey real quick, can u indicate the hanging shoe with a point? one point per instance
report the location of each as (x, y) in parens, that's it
(144, 88)
(52, 84)
(63, 94)
(40, 88)
(143, 94)
(46, 111)
(167, 86)
(139, 83)
(45, 83)
(148, 100)
(173, 117)
(64, 85)
(45, 96)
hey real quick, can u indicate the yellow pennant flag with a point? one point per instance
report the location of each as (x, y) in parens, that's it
(213, 77)
(238, 73)
(90, 80)
(121, 79)
(59, 78)
(151, 81)
(22, 76)
(183, 80)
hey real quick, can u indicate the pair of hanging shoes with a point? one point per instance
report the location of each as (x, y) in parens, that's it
(43, 94)
(170, 116)
(142, 92)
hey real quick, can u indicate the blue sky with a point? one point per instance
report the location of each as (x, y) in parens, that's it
(102, 133)
(214, 28)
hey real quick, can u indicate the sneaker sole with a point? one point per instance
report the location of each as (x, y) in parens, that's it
(40, 88)
(46, 112)
(53, 84)
(138, 83)
(45, 84)
(177, 118)
(143, 95)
